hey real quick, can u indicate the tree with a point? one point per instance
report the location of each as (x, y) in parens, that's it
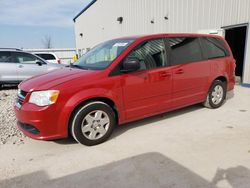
(47, 42)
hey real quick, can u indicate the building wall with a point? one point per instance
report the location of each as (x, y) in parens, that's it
(99, 22)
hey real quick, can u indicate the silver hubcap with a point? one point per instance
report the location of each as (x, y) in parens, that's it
(95, 124)
(217, 94)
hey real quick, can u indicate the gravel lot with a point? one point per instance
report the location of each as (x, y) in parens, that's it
(8, 130)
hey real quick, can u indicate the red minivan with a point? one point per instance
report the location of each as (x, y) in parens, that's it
(123, 80)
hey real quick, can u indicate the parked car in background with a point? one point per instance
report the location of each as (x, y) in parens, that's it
(17, 65)
(48, 56)
(123, 80)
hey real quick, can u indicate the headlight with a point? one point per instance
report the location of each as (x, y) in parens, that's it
(44, 98)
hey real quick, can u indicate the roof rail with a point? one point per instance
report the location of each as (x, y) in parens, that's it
(17, 49)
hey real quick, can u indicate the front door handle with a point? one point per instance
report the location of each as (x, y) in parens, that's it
(20, 66)
(179, 71)
(164, 74)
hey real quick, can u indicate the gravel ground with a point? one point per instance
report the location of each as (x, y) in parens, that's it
(9, 134)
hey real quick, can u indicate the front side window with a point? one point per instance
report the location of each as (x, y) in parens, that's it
(151, 54)
(214, 48)
(5, 57)
(184, 50)
(103, 55)
(25, 58)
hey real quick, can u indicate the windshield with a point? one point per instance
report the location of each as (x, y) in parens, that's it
(103, 54)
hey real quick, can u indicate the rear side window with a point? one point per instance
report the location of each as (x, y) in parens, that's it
(47, 56)
(214, 48)
(5, 57)
(151, 54)
(184, 50)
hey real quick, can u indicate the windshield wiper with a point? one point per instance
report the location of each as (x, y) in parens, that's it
(75, 66)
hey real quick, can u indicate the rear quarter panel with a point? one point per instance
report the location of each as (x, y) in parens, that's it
(222, 67)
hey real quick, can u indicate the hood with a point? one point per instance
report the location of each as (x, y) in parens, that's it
(55, 65)
(52, 79)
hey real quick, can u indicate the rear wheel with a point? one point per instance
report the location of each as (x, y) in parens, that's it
(216, 94)
(93, 123)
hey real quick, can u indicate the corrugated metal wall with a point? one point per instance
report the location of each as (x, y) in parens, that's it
(100, 23)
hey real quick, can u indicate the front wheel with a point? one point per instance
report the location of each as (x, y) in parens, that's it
(93, 123)
(216, 94)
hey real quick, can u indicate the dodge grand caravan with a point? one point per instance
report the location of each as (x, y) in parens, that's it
(123, 80)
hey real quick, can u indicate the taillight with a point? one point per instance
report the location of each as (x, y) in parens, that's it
(59, 61)
(233, 67)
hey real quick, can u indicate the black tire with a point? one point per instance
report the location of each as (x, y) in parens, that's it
(79, 117)
(209, 103)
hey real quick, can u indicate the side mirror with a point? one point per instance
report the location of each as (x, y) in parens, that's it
(130, 65)
(39, 63)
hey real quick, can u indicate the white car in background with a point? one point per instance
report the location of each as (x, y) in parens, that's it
(17, 65)
(48, 56)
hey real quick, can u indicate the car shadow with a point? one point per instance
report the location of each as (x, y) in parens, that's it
(65, 141)
(236, 177)
(146, 170)
(121, 129)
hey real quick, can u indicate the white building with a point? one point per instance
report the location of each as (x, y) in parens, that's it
(106, 19)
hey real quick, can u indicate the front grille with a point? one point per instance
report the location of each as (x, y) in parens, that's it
(20, 97)
(29, 128)
(23, 93)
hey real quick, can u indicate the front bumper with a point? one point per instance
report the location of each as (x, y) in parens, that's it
(40, 123)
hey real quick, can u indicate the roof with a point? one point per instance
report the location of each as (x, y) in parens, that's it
(10, 49)
(86, 8)
(159, 35)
